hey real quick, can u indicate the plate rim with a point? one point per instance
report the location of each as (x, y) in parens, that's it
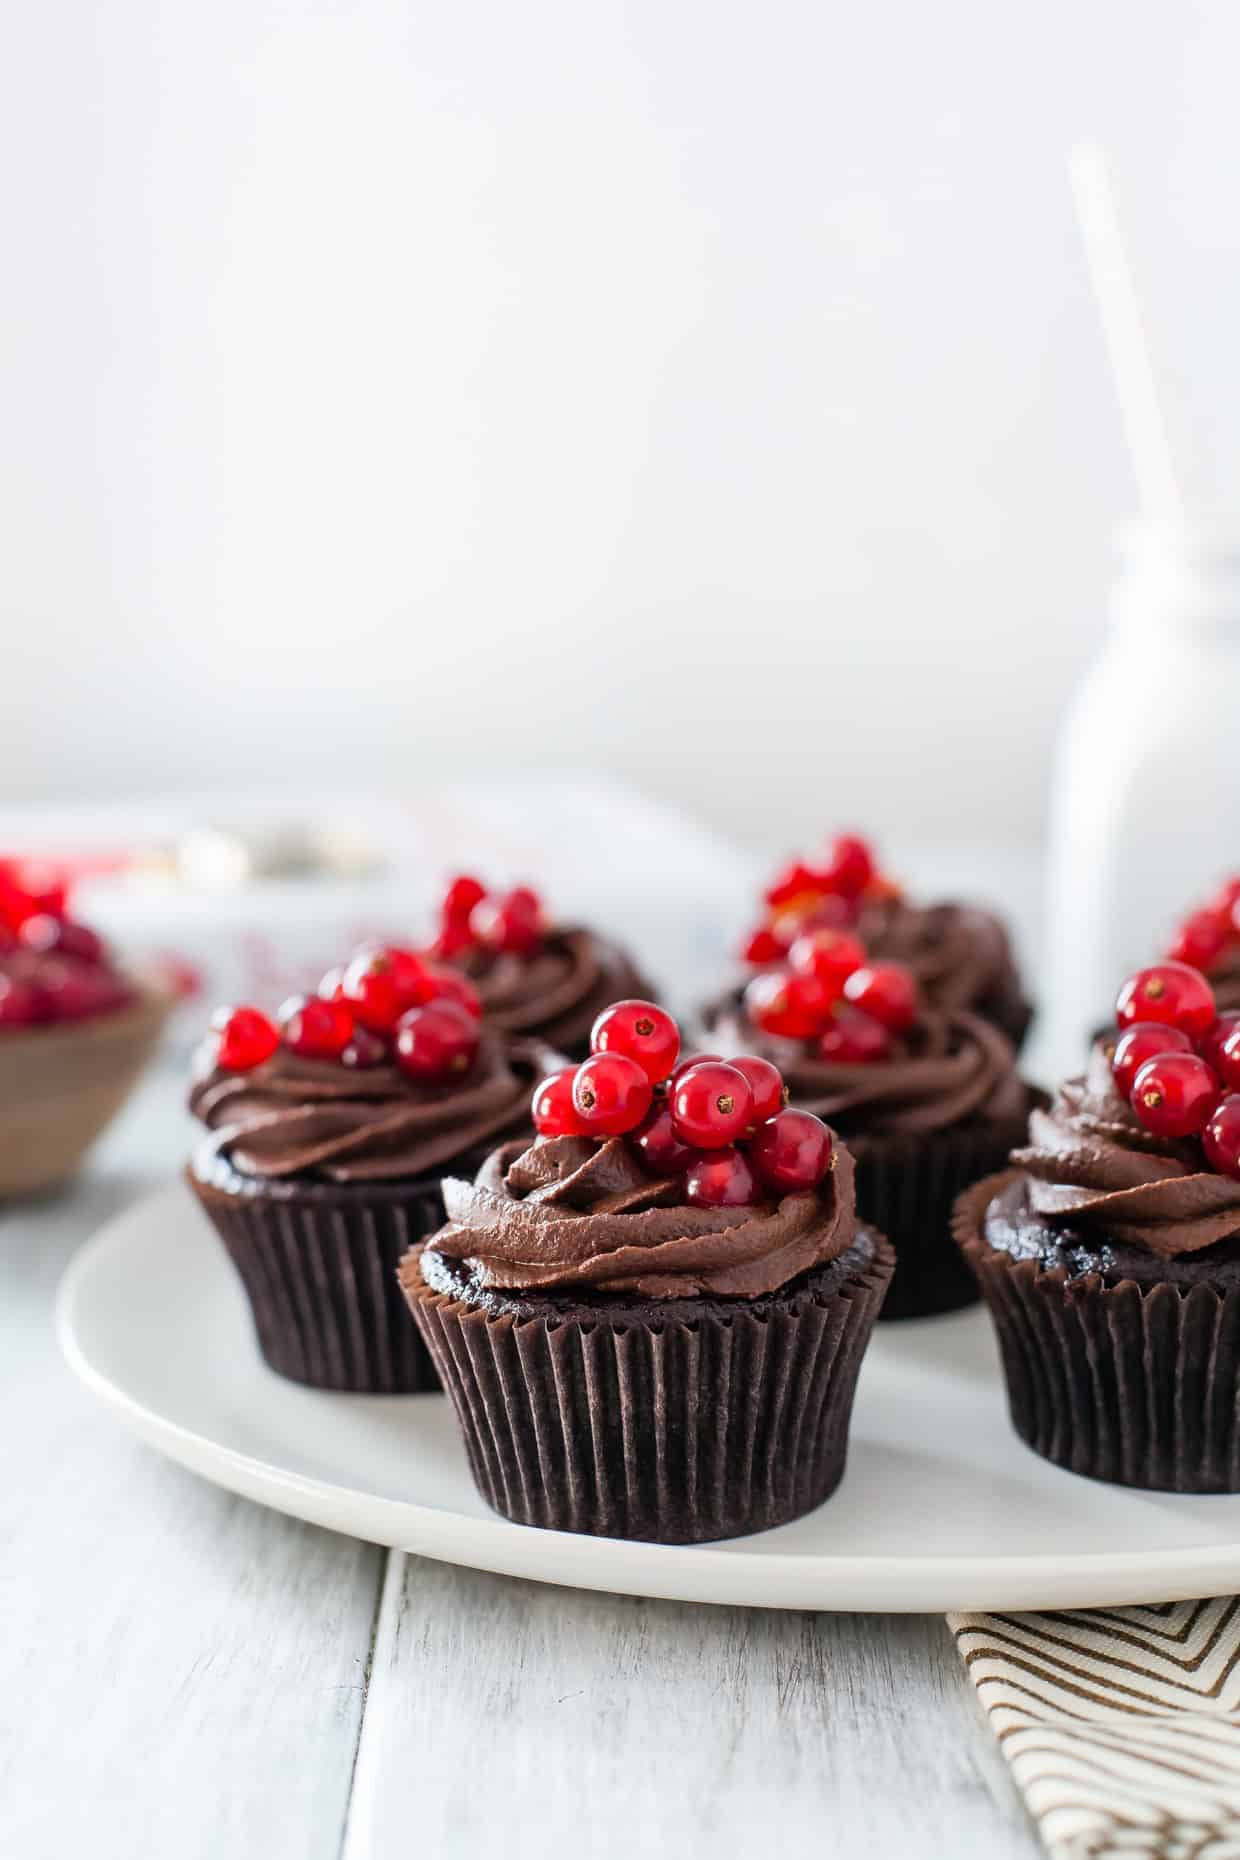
(711, 1573)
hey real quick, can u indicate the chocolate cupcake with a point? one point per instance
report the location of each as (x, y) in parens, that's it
(960, 954)
(925, 1109)
(534, 977)
(1109, 1257)
(644, 1355)
(323, 1167)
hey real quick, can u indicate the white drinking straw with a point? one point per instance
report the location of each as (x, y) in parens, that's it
(1124, 334)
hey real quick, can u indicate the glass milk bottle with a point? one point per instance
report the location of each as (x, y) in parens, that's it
(1145, 815)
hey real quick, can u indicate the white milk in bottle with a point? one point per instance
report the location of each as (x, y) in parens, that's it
(1145, 812)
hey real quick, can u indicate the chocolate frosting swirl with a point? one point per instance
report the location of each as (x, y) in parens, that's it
(311, 1117)
(570, 1212)
(559, 991)
(1090, 1159)
(960, 954)
(947, 1068)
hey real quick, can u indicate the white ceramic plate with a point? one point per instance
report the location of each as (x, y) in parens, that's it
(941, 1506)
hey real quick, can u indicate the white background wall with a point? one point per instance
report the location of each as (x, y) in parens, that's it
(708, 392)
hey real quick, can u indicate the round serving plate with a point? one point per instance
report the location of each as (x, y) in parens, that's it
(941, 1506)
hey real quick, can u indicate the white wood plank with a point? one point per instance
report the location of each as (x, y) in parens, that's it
(537, 1722)
(180, 1672)
(183, 1673)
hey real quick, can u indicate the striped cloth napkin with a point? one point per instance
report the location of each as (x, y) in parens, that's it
(1122, 1726)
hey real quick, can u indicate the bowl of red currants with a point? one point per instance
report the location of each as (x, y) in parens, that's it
(75, 1033)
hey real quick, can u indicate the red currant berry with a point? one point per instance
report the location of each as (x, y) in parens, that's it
(314, 1028)
(721, 1180)
(830, 956)
(694, 1059)
(611, 1094)
(810, 999)
(766, 1083)
(761, 947)
(1221, 1137)
(511, 925)
(640, 1031)
(436, 1042)
(459, 900)
(453, 940)
(793, 882)
(850, 865)
(552, 1105)
(1226, 1059)
(1145, 1039)
(450, 985)
(658, 1146)
(16, 904)
(712, 1105)
(775, 1006)
(48, 935)
(1200, 939)
(886, 991)
(382, 984)
(1211, 1044)
(1170, 992)
(1173, 1094)
(791, 1152)
(851, 1038)
(21, 1003)
(246, 1038)
(364, 1052)
(28, 891)
(331, 984)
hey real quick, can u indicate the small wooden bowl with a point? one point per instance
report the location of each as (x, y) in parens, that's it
(61, 1085)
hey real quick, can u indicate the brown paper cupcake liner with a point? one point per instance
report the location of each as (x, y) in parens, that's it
(907, 1187)
(318, 1264)
(1135, 1386)
(671, 1429)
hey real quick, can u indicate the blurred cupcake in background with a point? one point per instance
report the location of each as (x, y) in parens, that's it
(534, 976)
(330, 1129)
(960, 954)
(927, 1098)
(75, 1032)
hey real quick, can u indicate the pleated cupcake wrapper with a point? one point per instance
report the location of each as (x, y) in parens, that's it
(655, 1429)
(907, 1187)
(320, 1275)
(1133, 1385)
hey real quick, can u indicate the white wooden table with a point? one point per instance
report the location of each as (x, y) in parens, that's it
(183, 1673)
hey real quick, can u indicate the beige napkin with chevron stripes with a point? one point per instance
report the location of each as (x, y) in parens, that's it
(1122, 1726)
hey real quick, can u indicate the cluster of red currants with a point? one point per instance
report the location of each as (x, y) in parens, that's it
(52, 968)
(387, 1006)
(828, 992)
(720, 1125)
(828, 896)
(509, 923)
(1207, 935)
(1177, 1060)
